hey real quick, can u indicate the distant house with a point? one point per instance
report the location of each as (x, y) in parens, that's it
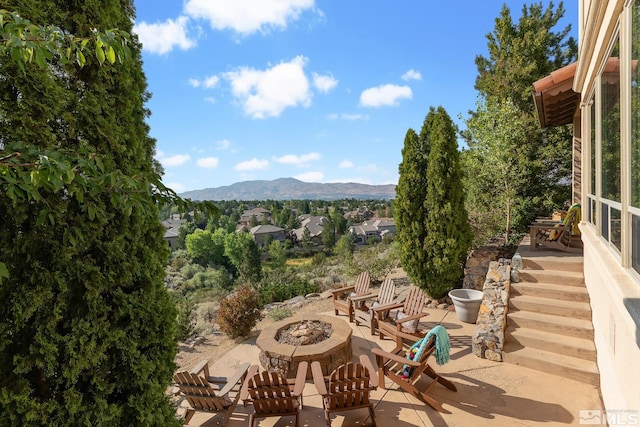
(172, 229)
(359, 214)
(376, 228)
(262, 233)
(259, 213)
(315, 225)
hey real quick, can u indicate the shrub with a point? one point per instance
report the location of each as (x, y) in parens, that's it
(282, 286)
(189, 270)
(185, 320)
(239, 312)
(279, 313)
(319, 258)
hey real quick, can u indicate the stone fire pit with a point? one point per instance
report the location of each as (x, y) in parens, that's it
(284, 358)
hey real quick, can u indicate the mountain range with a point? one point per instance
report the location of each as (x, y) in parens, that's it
(290, 189)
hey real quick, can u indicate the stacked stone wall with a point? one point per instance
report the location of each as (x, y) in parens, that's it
(477, 265)
(487, 341)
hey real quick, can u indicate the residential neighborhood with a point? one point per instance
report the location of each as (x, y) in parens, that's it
(370, 229)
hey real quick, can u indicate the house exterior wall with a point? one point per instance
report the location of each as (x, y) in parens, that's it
(612, 282)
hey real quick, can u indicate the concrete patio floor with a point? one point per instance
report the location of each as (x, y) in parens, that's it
(489, 393)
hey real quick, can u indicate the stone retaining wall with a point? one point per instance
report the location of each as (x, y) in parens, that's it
(487, 341)
(477, 265)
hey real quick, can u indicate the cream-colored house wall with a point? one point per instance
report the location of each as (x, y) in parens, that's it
(614, 291)
(614, 294)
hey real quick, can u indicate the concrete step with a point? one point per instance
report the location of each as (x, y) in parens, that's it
(574, 263)
(553, 343)
(551, 290)
(570, 278)
(552, 363)
(574, 309)
(578, 328)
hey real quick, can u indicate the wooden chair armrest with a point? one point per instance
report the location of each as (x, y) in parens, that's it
(556, 226)
(385, 307)
(203, 365)
(301, 377)
(318, 378)
(240, 375)
(365, 360)
(342, 289)
(363, 297)
(396, 358)
(409, 318)
(244, 391)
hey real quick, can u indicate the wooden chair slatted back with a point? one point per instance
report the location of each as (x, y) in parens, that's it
(362, 283)
(271, 394)
(199, 392)
(349, 386)
(424, 357)
(387, 292)
(414, 303)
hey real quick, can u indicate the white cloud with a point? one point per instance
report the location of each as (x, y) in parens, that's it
(412, 75)
(252, 165)
(207, 83)
(324, 83)
(247, 16)
(267, 93)
(162, 37)
(346, 163)
(384, 95)
(176, 186)
(347, 116)
(292, 159)
(208, 162)
(310, 176)
(353, 117)
(210, 82)
(176, 160)
(223, 144)
(210, 99)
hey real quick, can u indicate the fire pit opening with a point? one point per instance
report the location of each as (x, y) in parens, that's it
(305, 332)
(312, 337)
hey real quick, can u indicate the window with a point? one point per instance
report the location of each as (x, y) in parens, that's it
(634, 161)
(591, 209)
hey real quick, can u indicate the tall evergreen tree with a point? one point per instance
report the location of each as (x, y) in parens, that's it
(86, 326)
(448, 233)
(519, 54)
(410, 211)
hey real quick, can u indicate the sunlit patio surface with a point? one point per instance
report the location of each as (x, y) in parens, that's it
(489, 393)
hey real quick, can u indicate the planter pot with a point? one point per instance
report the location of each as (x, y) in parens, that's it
(467, 303)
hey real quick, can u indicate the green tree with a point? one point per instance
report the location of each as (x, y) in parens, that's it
(519, 54)
(329, 234)
(411, 213)
(448, 234)
(277, 254)
(88, 327)
(306, 241)
(345, 246)
(202, 248)
(494, 165)
(244, 254)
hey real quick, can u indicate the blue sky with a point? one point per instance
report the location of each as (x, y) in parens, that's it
(322, 91)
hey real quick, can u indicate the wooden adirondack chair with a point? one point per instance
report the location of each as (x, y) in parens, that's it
(366, 315)
(197, 388)
(407, 318)
(272, 395)
(361, 287)
(347, 388)
(563, 236)
(392, 365)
